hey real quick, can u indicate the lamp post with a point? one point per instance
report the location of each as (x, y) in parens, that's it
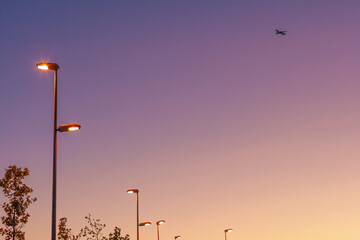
(226, 231)
(158, 223)
(62, 128)
(137, 210)
(143, 224)
(176, 237)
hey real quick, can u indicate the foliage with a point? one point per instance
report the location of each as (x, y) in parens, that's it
(65, 233)
(93, 230)
(19, 200)
(116, 235)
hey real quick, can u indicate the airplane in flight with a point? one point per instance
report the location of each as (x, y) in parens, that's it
(281, 32)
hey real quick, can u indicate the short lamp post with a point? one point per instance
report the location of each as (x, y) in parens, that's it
(158, 223)
(62, 128)
(226, 231)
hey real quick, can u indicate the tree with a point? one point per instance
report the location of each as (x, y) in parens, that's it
(116, 235)
(65, 233)
(18, 195)
(93, 231)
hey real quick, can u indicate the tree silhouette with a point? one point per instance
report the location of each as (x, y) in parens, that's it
(93, 230)
(65, 233)
(19, 200)
(116, 235)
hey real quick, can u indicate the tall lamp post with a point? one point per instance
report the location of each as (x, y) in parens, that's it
(62, 128)
(137, 210)
(176, 237)
(226, 231)
(158, 223)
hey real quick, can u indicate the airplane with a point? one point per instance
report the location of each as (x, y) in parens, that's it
(281, 32)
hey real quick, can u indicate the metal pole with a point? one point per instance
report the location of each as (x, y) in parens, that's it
(137, 213)
(225, 235)
(53, 223)
(158, 231)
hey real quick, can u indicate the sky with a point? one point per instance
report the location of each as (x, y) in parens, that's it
(217, 121)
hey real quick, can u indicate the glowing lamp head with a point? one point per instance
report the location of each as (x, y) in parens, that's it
(160, 222)
(47, 66)
(43, 67)
(75, 128)
(69, 127)
(132, 191)
(144, 224)
(176, 237)
(228, 230)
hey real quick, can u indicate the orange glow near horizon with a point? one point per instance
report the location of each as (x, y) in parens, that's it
(199, 104)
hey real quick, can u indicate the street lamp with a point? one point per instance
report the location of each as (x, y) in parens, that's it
(142, 224)
(62, 128)
(227, 230)
(157, 226)
(176, 237)
(137, 210)
(69, 127)
(48, 66)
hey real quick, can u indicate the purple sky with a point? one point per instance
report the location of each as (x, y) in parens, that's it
(218, 121)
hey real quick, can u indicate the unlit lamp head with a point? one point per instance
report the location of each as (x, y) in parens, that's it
(69, 127)
(47, 66)
(144, 224)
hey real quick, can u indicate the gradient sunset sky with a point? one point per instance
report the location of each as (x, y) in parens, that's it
(217, 121)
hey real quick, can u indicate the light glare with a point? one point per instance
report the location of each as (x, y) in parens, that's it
(144, 224)
(73, 128)
(43, 67)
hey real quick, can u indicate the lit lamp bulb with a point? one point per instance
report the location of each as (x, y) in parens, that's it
(43, 67)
